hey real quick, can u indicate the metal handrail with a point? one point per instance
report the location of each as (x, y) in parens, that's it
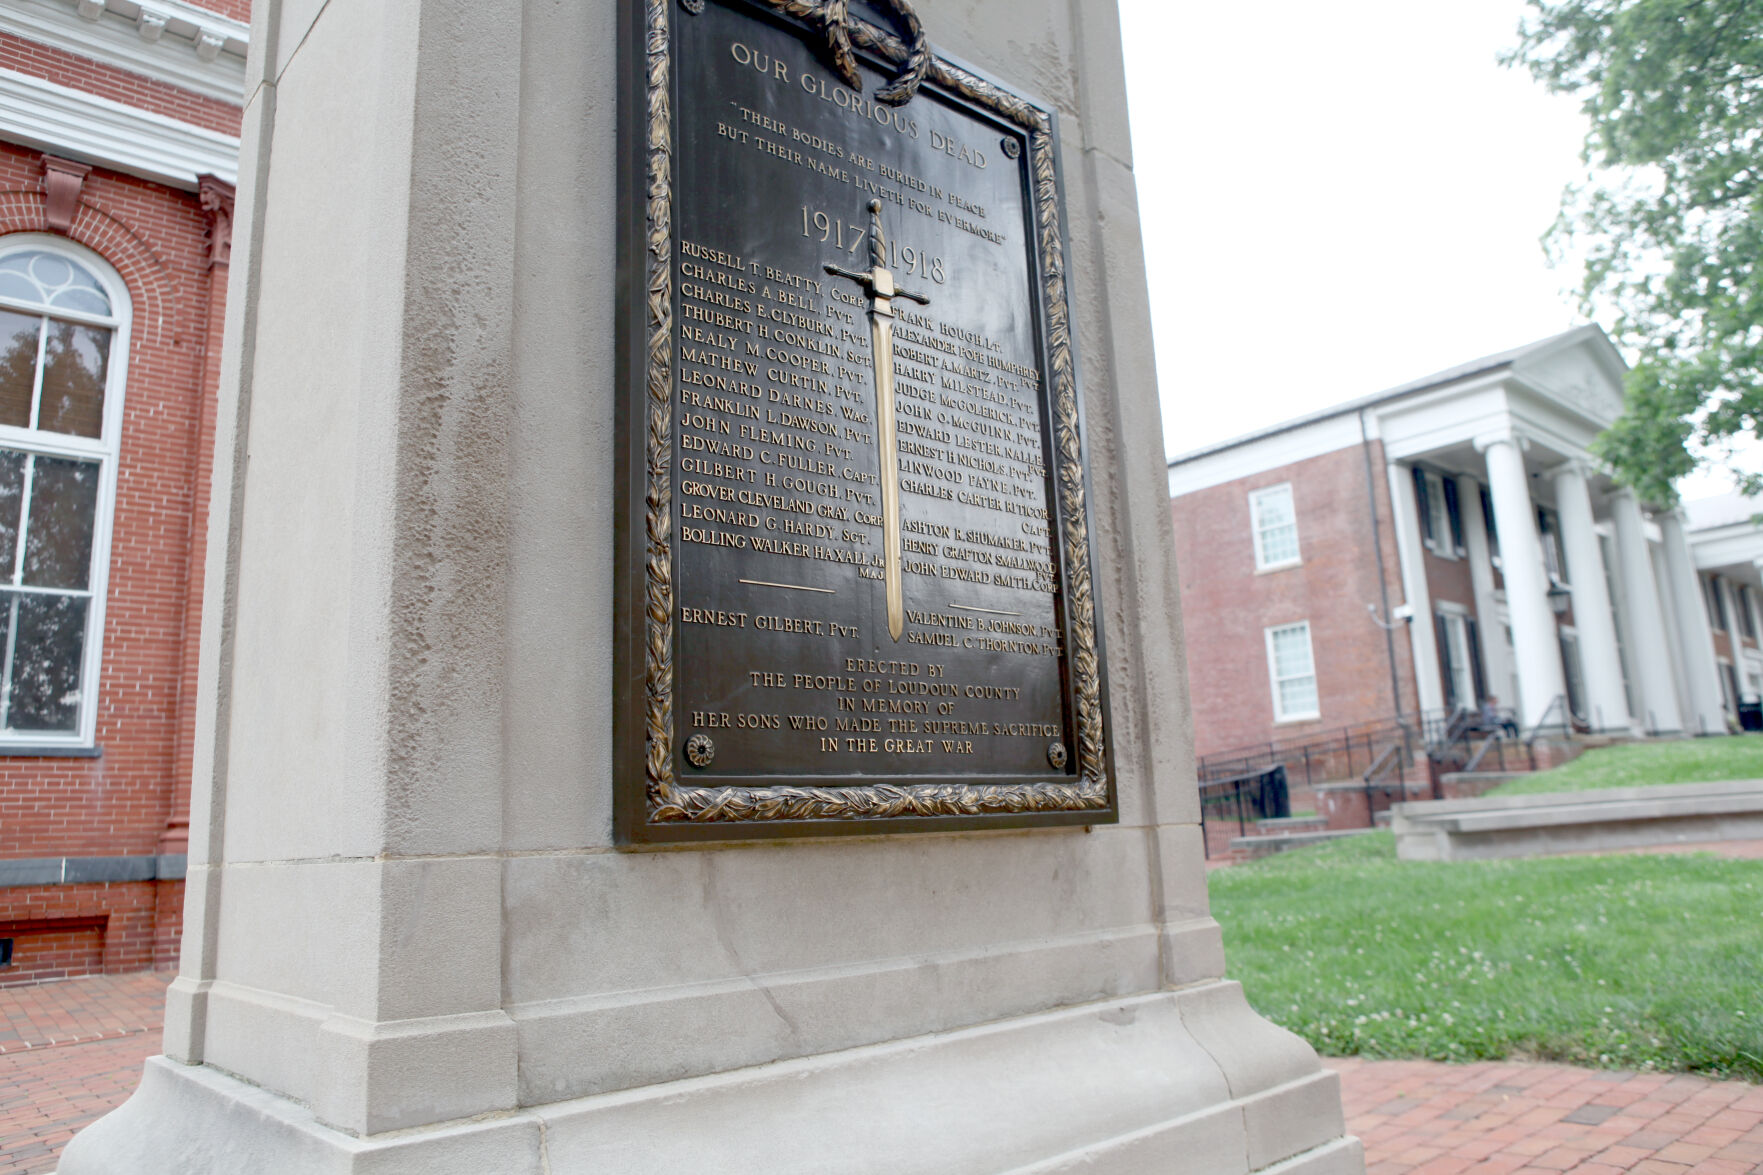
(1492, 741)
(1558, 702)
(1357, 741)
(1319, 739)
(1376, 776)
(1378, 769)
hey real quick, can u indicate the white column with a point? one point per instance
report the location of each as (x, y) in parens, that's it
(1701, 670)
(1429, 686)
(1649, 653)
(1686, 706)
(1735, 626)
(1735, 641)
(1481, 576)
(1756, 612)
(1592, 615)
(1535, 637)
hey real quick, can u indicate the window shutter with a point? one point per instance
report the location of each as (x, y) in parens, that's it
(1422, 504)
(1452, 701)
(1481, 684)
(1560, 547)
(1454, 513)
(1487, 517)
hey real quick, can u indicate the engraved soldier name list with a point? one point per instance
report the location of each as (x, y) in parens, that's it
(865, 563)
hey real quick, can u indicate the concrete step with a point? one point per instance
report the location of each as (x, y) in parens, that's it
(1288, 826)
(1253, 848)
(1599, 820)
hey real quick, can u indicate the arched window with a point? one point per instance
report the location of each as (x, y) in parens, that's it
(64, 319)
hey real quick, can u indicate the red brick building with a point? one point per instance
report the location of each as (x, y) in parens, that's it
(1418, 552)
(119, 126)
(1727, 544)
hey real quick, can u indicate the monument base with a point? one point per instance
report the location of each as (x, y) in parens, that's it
(1190, 1080)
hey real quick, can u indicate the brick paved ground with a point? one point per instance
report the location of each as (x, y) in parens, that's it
(69, 1051)
(1509, 1119)
(91, 1008)
(74, 1050)
(48, 1094)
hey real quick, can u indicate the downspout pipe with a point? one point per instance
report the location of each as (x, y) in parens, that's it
(1383, 587)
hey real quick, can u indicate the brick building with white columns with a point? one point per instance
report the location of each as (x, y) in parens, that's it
(1727, 543)
(1435, 545)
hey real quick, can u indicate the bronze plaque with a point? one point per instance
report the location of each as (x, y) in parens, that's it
(854, 559)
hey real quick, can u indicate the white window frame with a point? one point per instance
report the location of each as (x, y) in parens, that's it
(1255, 500)
(104, 448)
(1274, 679)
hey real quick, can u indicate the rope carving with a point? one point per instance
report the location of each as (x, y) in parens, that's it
(832, 19)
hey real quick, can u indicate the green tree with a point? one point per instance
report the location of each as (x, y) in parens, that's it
(1670, 221)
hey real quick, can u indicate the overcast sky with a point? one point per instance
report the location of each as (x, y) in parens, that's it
(1337, 198)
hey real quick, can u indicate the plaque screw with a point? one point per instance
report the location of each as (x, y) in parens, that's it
(1055, 755)
(701, 750)
(1011, 147)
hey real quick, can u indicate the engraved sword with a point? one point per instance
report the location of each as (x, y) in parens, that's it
(878, 283)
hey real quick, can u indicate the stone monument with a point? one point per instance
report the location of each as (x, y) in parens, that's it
(692, 673)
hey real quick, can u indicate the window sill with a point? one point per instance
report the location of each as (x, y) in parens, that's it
(49, 751)
(1298, 719)
(1272, 567)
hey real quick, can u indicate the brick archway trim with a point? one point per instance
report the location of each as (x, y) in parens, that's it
(151, 283)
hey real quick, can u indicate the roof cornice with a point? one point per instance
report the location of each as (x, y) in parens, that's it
(167, 40)
(74, 123)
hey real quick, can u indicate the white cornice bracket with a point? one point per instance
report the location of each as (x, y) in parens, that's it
(171, 41)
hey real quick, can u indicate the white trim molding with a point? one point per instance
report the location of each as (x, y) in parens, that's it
(97, 130)
(167, 40)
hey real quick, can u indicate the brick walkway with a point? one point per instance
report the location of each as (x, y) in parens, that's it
(1507, 1119)
(70, 1051)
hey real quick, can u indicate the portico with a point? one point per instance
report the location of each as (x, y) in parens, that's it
(1726, 545)
(1520, 555)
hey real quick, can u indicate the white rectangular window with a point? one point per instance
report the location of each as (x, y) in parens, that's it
(1276, 527)
(1293, 671)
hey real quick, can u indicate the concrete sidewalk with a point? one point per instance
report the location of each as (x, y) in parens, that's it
(69, 1051)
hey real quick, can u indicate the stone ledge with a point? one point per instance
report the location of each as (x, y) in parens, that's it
(1112, 1088)
(1590, 821)
(22, 871)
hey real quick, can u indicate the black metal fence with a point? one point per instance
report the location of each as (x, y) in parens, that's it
(1262, 795)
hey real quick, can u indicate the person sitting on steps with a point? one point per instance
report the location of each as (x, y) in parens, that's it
(1493, 721)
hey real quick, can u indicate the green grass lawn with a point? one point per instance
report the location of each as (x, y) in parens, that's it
(1634, 962)
(1700, 760)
